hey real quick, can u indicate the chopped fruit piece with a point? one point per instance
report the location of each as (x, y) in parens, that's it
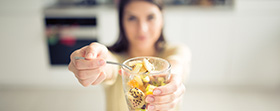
(137, 68)
(161, 81)
(133, 83)
(162, 84)
(138, 79)
(144, 106)
(142, 88)
(152, 78)
(142, 70)
(140, 110)
(148, 65)
(133, 63)
(136, 97)
(146, 79)
(141, 67)
(150, 89)
(149, 93)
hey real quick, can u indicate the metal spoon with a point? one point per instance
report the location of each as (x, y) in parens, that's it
(109, 62)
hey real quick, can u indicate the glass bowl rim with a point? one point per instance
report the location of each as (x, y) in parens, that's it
(141, 57)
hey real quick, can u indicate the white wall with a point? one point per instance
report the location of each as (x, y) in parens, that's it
(230, 47)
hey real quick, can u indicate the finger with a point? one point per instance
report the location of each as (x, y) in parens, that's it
(166, 98)
(71, 67)
(86, 74)
(78, 53)
(95, 50)
(76, 72)
(168, 88)
(91, 51)
(100, 79)
(166, 106)
(85, 77)
(89, 81)
(89, 64)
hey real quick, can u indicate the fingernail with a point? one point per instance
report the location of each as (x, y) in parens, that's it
(150, 99)
(101, 62)
(151, 107)
(156, 92)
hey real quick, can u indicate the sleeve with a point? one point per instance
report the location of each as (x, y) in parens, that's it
(181, 56)
(113, 69)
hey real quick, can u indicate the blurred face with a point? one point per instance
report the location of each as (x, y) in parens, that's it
(142, 23)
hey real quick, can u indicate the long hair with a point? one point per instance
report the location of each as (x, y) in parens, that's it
(122, 43)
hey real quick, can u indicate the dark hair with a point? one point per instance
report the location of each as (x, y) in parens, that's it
(122, 43)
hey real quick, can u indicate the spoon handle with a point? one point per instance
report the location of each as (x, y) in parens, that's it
(115, 63)
(109, 62)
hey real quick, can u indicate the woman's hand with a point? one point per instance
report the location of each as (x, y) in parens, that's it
(89, 71)
(168, 96)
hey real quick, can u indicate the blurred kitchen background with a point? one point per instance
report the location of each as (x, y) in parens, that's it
(235, 46)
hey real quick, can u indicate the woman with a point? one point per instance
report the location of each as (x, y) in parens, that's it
(141, 25)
